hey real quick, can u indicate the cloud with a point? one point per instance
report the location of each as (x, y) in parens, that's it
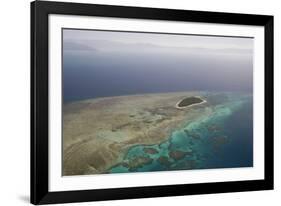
(98, 45)
(76, 46)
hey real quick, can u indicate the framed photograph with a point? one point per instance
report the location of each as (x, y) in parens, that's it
(131, 102)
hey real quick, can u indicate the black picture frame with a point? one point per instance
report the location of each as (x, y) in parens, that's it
(39, 102)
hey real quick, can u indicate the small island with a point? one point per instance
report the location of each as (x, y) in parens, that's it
(189, 101)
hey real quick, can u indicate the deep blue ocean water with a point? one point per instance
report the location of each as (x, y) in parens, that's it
(90, 75)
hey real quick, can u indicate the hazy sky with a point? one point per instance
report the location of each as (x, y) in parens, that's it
(105, 40)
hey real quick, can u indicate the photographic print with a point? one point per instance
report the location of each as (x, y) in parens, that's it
(136, 102)
(144, 102)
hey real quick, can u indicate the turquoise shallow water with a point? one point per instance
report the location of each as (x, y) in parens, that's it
(221, 137)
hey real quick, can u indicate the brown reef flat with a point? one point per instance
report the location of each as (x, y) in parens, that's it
(150, 150)
(97, 133)
(178, 154)
(163, 160)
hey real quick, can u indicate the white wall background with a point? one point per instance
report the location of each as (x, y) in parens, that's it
(14, 102)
